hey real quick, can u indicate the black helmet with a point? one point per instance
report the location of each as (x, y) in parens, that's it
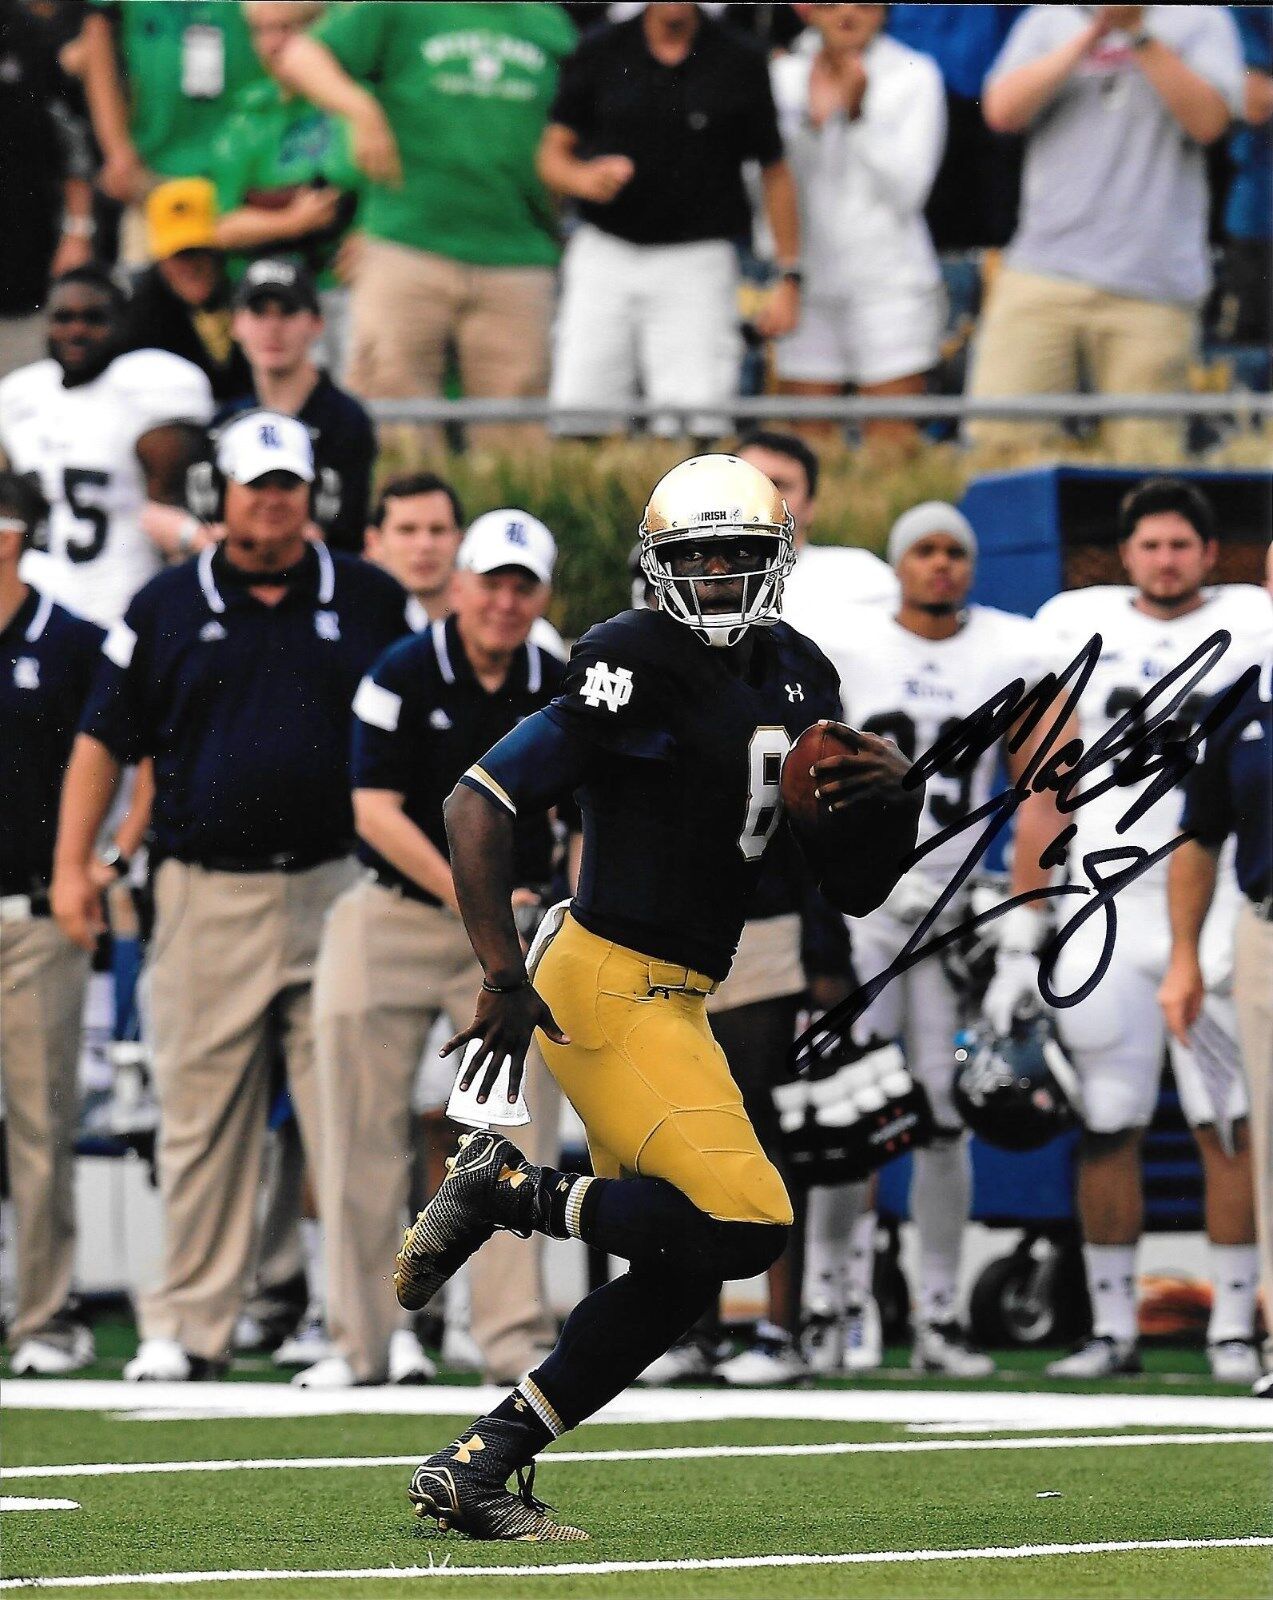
(1016, 1090)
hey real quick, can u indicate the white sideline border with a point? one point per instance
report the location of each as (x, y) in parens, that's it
(873, 1447)
(998, 1408)
(13, 1502)
(566, 1569)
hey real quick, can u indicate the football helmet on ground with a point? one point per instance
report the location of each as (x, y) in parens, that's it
(1017, 1089)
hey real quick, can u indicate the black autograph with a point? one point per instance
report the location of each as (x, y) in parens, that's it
(1151, 739)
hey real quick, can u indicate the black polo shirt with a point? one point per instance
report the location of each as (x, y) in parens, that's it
(687, 129)
(1231, 788)
(48, 659)
(245, 707)
(421, 719)
(344, 441)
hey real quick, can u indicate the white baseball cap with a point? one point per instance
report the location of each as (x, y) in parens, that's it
(265, 441)
(508, 538)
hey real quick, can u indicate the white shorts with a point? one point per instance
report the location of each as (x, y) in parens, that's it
(919, 1007)
(864, 339)
(766, 967)
(1115, 1036)
(434, 1076)
(661, 320)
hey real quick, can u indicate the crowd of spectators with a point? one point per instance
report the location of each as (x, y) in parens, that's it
(230, 226)
(513, 201)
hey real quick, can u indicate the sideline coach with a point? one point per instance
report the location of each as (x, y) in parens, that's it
(235, 672)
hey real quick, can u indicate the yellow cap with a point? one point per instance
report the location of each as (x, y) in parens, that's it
(181, 215)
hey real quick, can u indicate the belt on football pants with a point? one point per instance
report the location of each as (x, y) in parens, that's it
(666, 977)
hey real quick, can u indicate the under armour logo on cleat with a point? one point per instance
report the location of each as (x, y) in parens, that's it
(468, 1448)
(519, 1404)
(512, 1177)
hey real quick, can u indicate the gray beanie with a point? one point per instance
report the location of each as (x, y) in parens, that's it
(933, 516)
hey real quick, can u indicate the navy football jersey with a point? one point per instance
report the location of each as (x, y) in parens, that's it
(674, 751)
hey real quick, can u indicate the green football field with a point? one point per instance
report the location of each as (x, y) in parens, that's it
(891, 1486)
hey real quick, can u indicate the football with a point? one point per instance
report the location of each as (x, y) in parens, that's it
(856, 852)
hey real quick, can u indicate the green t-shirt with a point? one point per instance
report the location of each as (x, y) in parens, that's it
(271, 145)
(185, 61)
(466, 89)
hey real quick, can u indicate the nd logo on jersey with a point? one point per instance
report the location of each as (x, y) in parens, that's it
(601, 687)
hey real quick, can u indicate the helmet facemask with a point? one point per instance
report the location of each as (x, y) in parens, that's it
(760, 604)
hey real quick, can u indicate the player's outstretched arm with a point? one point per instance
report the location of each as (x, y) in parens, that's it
(480, 838)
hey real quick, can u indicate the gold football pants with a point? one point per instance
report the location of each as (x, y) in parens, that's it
(650, 1082)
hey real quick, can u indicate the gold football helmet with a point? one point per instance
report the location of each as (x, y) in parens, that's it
(718, 497)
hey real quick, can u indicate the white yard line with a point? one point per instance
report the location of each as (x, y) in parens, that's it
(13, 1502)
(997, 1408)
(891, 1447)
(566, 1569)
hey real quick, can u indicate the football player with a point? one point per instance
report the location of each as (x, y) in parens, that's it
(1115, 1036)
(913, 676)
(671, 727)
(104, 433)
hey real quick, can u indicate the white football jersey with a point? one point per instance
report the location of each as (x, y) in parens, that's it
(82, 442)
(1136, 651)
(915, 690)
(825, 585)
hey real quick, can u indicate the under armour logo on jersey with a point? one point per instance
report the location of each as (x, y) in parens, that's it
(795, 691)
(605, 688)
(269, 436)
(26, 673)
(211, 632)
(438, 719)
(327, 625)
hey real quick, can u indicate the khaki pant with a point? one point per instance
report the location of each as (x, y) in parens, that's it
(408, 306)
(1253, 995)
(1038, 333)
(388, 966)
(231, 964)
(42, 979)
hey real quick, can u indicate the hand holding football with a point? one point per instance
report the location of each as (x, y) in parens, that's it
(852, 810)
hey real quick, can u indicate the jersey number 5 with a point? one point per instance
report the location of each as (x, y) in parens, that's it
(765, 754)
(75, 480)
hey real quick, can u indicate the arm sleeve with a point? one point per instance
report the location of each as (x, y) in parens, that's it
(115, 712)
(574, 103)
(531, 767)
(166, 388)
(1214, 51)
(901, 135)
(616, 698)
(386, 746)
(1032, 36)
(357, 35)
(764, 142)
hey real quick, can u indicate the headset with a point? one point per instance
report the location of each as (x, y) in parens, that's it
(205, 482)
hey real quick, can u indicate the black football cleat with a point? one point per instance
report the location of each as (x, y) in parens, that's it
(466, 1495)
(479, 1194)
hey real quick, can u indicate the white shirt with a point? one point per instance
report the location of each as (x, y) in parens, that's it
(1136, 651)
(913, 690)
(82, 441)
(862, 185)
(828, 582)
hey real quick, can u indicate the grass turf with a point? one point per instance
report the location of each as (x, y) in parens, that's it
(639, 1511)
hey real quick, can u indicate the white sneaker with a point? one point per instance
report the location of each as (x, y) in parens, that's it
(460, 1350)
(943, 1347)
(55, 1353)
(684, 1361)
(307, 1345)
(1263, 1390)
(773, 1357)
(1100, 1357)
(333, 1372)
(158, 1361)
(407, 1360)
(863, 1336)
(822, 1341)
(1234, 1361)
(248, 1336)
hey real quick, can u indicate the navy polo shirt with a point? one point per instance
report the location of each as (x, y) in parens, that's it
(421, 719)
(344, 440)
(48, 659)
(1230, 790)
(245, 707)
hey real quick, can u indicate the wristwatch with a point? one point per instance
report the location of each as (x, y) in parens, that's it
(115, 858)
(792, 275)
(1138, 41)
